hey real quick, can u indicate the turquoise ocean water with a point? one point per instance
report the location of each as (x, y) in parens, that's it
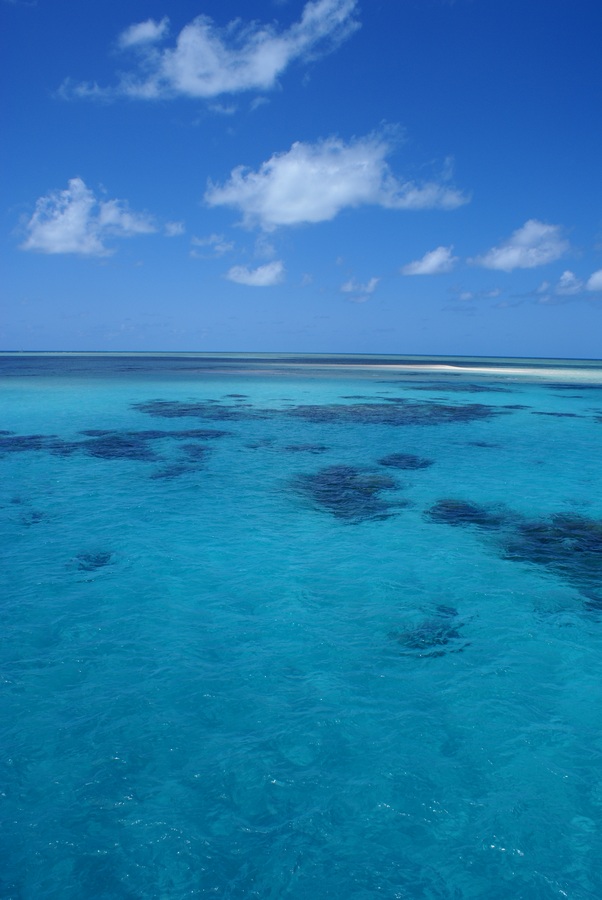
(300, 627)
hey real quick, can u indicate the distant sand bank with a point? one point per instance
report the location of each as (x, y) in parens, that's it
(555, 374)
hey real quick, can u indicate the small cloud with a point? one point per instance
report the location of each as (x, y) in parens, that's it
(306, 279)
(148, 32)
(467, 296)
(314, 182)
(174, 229)
(436, 262)
(569, 284)
(534, 244)
(207, 61)
(222, 110)
(75, 221)
(70, 90)
(354, 287)
(264, 249)
(359, 293)
(256, 102)
(594, 282)
(264, 276)
(215, 243)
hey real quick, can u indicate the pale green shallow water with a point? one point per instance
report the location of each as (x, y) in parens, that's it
(261, 663)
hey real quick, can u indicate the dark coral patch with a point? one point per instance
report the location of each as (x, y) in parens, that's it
(462, 513)
(103, 444)
(306, 448)
(157, 434)
(435, 636)
(32, 517)
(558, 415)
(192, 458)
(458, 387)
(395, 411)
(347, 492)
(568, 545)
(118, 446)
(91, 561)
(562, 386)
(22, 443)
(405, 461)
(201, 409)
(202, 434)
(400, 412)
(194, 451)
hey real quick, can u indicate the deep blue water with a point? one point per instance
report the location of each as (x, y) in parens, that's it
(300, 627)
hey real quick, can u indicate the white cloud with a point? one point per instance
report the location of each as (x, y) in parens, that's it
(148, 32)
(433, 263)
(314, 182)
(264, 248)
(569, 284)
(467, 296)
(216, 244)
(221, 109)
(256, 102)
(535, 244)
(594, 282)
(174, 229)
(264, 276)
(83, 91)
(75, 221)
(354, 287)
(207, 61)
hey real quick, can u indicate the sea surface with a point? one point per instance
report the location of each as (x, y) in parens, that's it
(285, 626)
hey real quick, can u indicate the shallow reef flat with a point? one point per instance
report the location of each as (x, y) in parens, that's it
(275, 628)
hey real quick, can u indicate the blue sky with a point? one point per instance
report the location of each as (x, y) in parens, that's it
(391, 176)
